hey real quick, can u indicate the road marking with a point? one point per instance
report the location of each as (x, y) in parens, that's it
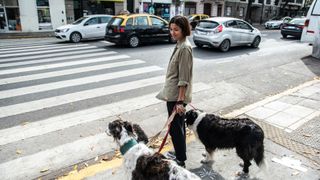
(76, 81)
(56, 59)
(31, 47)
(52, 124)
(38, 48)
(15, 109)
(63, 64)
(79, 47)
(50, 55)
(69, 71)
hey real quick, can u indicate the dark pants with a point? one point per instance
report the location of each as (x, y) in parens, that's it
(178, 133)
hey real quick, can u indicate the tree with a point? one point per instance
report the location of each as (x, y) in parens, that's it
(248, 14)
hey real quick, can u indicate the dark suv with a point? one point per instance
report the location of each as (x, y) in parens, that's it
(134, 29)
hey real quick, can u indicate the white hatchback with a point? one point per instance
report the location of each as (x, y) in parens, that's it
(225, 32)
(87, 27)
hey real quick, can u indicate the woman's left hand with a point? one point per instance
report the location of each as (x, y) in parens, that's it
(180, 109)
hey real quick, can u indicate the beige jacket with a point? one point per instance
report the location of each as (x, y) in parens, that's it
(179, 73)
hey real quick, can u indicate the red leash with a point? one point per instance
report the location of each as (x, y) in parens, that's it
(170, 119)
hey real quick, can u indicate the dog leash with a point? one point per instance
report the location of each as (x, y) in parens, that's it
(168, 124)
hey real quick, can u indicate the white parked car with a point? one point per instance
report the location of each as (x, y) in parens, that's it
(312, 23)
(225, 32)
(87, 27)
(276, 23)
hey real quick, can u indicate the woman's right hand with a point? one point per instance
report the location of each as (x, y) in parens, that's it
(180, 109)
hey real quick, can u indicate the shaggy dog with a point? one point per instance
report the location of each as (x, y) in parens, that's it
(140, 162)
(218, 133)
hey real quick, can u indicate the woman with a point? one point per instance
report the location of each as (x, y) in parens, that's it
(178, 84)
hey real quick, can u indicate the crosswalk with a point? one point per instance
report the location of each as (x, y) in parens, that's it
(49, 90)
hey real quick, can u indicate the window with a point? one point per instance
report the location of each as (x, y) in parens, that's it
(196, 18)
(44, 18)
(208, 24)
(92, 21)
(241, 10)
(129, 22)
(10, 3)
(316, 8)
(104, 20)
(228, 11)
(268, 2)
(243, 25)
(157, 22)
(231, 24)
(141, 21)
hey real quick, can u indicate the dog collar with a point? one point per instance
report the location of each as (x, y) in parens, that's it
(128, 145)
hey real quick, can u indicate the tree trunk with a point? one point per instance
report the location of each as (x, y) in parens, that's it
(248, 14)
(282, 8)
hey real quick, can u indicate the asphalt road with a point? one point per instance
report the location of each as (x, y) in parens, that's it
(58, 97)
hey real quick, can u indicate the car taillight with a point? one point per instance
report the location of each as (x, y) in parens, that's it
(306, 23)
(219, 29)
(120, 29)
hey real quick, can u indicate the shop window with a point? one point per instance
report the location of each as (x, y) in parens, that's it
(228, 11)
(10, 3)
(44, 18)
(241, 10)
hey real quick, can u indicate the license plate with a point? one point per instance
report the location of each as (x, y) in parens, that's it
(291, 27)
(202, 33)
(110, 31)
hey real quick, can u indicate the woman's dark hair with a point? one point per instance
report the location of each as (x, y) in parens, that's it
(183, 23)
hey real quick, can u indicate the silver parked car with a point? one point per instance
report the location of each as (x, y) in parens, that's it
(276, 23)
(225, 32)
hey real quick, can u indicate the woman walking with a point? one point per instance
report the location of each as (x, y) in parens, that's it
(177, 89)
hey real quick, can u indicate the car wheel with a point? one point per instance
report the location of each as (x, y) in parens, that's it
(284, 35)
(198, 45)
(133, 41)
(75, 37)
(256, 42)
(225, 45)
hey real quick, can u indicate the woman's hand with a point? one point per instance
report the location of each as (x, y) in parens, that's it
(180, 109)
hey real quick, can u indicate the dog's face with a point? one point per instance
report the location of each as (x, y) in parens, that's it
(191, 117)
(118, 128)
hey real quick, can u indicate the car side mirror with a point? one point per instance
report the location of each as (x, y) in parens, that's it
(85, 24)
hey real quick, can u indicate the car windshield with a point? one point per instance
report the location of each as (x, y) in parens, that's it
(190, 17)
(78, 21)
(116, 21)
(208, 24)
(297, 21)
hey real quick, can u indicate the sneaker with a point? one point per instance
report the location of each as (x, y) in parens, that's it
(170, 155)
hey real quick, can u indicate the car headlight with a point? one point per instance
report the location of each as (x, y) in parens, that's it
(65, 30)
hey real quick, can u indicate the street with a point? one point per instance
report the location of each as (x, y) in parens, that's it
(57, 97)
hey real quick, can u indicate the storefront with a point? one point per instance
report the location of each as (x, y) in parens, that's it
(9, 16)
(158, 9)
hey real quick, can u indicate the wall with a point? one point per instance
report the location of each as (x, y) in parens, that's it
(57, 13)
(28, 15)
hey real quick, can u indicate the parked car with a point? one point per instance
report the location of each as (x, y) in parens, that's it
(87, 27)
(276, 22)
(134, 29)
(225, 32)
(312, 23)
(293, 28)
(195, 18)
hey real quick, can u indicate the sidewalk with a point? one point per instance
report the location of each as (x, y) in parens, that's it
(292, 150)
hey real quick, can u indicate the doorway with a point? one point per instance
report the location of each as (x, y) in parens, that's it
(207, 9)
(3, 20)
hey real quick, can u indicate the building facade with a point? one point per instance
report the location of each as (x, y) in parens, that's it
(46, 15)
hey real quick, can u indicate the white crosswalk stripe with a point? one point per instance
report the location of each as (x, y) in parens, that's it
(48, 77)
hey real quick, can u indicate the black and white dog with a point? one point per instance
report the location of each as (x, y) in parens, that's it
(219, 133)
(140, 162)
